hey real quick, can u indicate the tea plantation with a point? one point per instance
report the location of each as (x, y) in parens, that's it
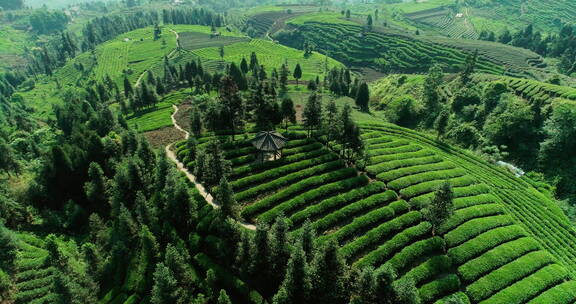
(505, 243)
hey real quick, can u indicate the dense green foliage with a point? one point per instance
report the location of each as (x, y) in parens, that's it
(129, 172)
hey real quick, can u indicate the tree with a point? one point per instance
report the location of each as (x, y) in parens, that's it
(327, 275)
(165, 288)
(469, 66)
(441, 207)
(215, 165)
(96, 189)
(431, 85)
(233, 110)
(297, 73)
(363, 97)
(244, 65)
(128, 90)
(195, 122)
(223, 298)
(288, 112)
(225, 198)
(406, 292)
(348, 14)
(369, 22)
(307, 237)
(279, 252)
(9, 248)
(441, 122)
(221, 52)
(284, 77)
(296, 285)
(313, 113)
(8, 162)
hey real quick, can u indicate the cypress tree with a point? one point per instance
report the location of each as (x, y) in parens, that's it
(363, 97)
(297, 73)
(225, 198)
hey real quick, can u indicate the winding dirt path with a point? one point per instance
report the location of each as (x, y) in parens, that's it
(207, 196)
(169, 55)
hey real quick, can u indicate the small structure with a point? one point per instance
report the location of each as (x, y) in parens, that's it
(269, 145)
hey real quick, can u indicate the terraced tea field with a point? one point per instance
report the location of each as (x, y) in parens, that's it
(194, 40)
(34, 280)
(271, 55)
(506, 242)
(445, 22)
(385, 51)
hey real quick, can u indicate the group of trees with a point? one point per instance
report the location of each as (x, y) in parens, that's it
(12, 4)
(298, 270)
(561, 45)
(45, 22)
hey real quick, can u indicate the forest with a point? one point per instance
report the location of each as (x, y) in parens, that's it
(299, 151)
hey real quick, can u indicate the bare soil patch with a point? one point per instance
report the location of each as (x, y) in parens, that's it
(183, 115)
(162, 137)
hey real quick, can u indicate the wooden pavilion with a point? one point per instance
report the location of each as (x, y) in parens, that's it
(269, 145)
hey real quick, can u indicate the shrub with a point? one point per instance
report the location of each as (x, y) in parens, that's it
(254, 192)
(463, 215)
(407, 171)
(429, 269)
(239, 172)
(562, 293)
(430, 186)
(299, 187)
(439, 287)
(407, 181)
(423, 159)
(313, 195)
(404, 259)
(485, 242)
(530, 286)
(351, 210)
(252, 180)
(397, 242)
(366, 221)
(496, 257)
(475, 227)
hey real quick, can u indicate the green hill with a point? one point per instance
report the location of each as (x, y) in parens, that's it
(506, 242)
(392, 51)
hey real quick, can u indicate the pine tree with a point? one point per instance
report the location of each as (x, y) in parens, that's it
(307, 236)
(244, 66)
(363, 97)
(369, 22)
(225, 198)
(431, 85)
(327, 272)
(96, 189)
(441, 122)
(233, 105)
(279, 251)
(297, 73)
(296, 284)
(313, 113)
(223, 298)
(288, 112)
(165, 289)
(441, 207)
(469, 67)
(215, 165)
(284, 77)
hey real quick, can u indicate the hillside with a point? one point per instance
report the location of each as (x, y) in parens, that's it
(393, 51)
(333, 152)
(490, 248)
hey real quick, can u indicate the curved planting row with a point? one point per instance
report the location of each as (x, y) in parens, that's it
(34, 280)
(539, 215)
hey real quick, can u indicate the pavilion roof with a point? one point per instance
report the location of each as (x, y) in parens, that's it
(269, 141)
